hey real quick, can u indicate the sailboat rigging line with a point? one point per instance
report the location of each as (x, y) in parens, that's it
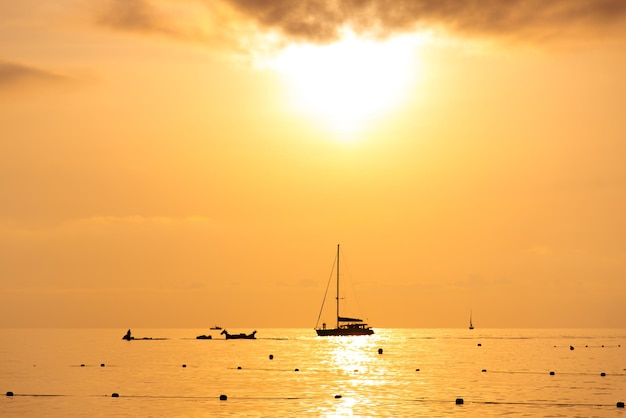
(346, 325)
(330, 278)
(352, 303)
(351, 290)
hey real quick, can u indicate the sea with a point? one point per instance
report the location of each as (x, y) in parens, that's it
(295, 373)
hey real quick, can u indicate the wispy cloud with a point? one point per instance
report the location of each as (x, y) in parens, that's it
(12, 74)
(206, 22)
(13, 228)
(130, 220)
(136, 15)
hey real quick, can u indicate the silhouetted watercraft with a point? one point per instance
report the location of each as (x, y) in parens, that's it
(241, 336)
(471, 326)
(345, 325)
(216, 327)
(129, 337)
(204, 337)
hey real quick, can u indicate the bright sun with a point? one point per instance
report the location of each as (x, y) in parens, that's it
(348, 84)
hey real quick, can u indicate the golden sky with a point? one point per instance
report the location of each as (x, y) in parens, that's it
(185, 163)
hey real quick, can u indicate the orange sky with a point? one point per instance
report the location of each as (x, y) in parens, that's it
(159, 170)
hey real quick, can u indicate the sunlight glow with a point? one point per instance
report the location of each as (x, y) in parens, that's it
(347, 84)
(352, 354)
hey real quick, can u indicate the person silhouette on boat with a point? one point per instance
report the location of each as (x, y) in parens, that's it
(128, 336)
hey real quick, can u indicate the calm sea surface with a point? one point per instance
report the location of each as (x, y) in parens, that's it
(420, 372)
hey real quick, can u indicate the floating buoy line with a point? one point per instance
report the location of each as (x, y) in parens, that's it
(224, 397)
(552, 373)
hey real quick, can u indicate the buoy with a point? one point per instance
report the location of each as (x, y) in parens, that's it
(101, 364)
(459, 401)
(9, 393)
(296, 370)
(602, 374)
(238, 367)
(484, 370)
(184, 365)
(380, 351)
(571, 347)
(115, 395)
(551, 373)
(271, 356)
(223, 397)
(480, 345)
(417, 370)
(82, 365)
(620, 404)
(337, 396)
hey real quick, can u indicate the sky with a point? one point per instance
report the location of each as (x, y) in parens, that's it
(187, 163)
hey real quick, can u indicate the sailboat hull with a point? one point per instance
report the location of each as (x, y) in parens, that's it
(342, 332)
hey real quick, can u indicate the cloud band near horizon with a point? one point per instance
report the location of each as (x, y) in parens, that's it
(324, 21)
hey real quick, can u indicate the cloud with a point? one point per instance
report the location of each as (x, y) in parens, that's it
(325, 20)
(12, 74)
(186, 20)
(134, 15)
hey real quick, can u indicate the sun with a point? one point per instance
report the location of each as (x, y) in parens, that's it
(349, 84)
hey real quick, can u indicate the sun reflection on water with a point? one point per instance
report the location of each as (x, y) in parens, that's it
(356, 366)
(352, 354)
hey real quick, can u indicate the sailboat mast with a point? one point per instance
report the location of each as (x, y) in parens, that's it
(337, 286)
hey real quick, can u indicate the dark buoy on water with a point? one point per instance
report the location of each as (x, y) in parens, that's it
(238, 367)
(223, 397)
(337, 396)
(620, 404)
(82, 365)
(484, 370)
(571, 347)
(184, 365)
(115, 395)
(417, 370)
(101, 364)
(480, 345)
(296, 370)
(9, 393)
(271, 356)
(380, 351)
(551, 373)
(459, 401)
(602, 374)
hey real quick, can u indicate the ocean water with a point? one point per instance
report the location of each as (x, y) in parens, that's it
(294, 373)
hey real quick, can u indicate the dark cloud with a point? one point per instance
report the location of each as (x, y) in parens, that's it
(324, 20)
(12, 74)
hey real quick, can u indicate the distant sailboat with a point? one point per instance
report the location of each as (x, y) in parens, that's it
(471, 326)
(345, 325)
